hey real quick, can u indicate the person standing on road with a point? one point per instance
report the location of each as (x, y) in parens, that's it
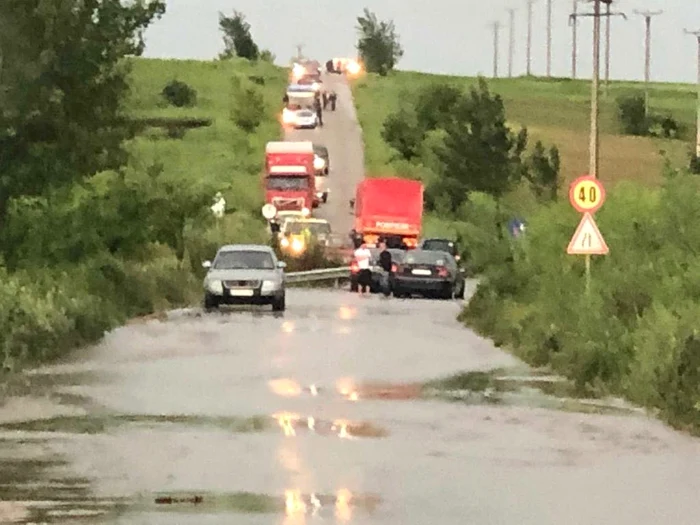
(333, 98)
(325, 100)
(386, 263)
(319, 112)
(364, 278)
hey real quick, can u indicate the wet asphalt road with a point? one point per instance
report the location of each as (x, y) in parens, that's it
(198, 406)
(272, 418)
(342, 135)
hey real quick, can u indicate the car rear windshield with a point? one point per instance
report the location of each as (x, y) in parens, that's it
(440, 246)
(426, 257)
(288, 183)
(244, 260)
(315, 228)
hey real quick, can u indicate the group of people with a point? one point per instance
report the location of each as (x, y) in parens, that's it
(363, 257)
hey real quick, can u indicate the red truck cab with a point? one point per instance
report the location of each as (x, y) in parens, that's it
(391, 208)
(290, 182)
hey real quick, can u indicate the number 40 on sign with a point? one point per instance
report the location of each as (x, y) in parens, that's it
(587, 196)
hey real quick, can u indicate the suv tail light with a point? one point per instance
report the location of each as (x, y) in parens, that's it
(394, 268)
(442, 271)
(354, 268)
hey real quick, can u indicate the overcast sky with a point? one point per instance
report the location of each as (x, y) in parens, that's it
(441, 36)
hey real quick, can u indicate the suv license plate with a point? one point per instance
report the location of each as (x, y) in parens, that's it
(241, 293)
(421, 272)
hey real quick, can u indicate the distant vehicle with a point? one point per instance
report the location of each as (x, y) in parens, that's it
(297, 233)
(428, 273)
(391, 208)
(290, 184)
(305, 119)
(245, 274)
(397, 256)
(321, 165)
(322, 160)
(441, 245)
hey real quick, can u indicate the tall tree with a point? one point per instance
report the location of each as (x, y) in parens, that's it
(62, 85)
(238, 41)
(378, 44)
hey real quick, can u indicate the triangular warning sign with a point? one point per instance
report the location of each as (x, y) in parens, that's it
(587, 239)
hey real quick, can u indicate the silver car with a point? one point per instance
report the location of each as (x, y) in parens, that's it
(245, 274)
(305, 118)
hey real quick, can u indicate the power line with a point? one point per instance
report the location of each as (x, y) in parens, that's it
(648, 15)
(511, 42)
(696, 34)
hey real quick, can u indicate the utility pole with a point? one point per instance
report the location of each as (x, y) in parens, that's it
(299, 48)
(511, 42)
(647, 54)
(595, 83)
(574, 41)
(496, 31)
(696, 34)
(549, 38)
(529, 36)
(607, 45)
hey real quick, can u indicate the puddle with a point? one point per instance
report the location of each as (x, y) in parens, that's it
(293, 502)
(288, 422)
(534, 390)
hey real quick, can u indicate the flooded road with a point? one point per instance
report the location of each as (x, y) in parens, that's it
(256, 418)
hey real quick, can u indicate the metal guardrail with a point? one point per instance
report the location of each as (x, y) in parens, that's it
(324, 274)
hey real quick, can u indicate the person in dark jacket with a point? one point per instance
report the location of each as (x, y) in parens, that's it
(333, 98)
(319, 112)
(386, 263)
(325, 100)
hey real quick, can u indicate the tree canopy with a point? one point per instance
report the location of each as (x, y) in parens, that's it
(238, 40)
(378, 44)
(63, 88)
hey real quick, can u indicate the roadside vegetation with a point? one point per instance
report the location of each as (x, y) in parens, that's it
(110, 164)
(492, 152)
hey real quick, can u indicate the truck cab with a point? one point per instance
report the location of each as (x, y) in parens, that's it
(290, 183)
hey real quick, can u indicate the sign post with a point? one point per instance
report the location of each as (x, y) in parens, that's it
(587, 195)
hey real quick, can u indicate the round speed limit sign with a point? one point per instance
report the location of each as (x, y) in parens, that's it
(586, 194)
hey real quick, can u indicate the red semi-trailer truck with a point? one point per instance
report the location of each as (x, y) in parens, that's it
(290, 182)
(391, 208)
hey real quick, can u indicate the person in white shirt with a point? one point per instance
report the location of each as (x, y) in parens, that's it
(364, 278)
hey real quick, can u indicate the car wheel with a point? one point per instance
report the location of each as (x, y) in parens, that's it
(325, 198)
(279, 304)
(326, 170)
(211, 302)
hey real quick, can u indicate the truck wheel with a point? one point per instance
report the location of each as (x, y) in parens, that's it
(211, 302)
(325, 198)
(279, 304)
(326, 171)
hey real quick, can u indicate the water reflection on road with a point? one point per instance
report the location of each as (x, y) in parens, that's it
(318, 412)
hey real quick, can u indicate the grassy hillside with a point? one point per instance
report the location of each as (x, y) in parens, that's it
(222, 153)
(555, 111)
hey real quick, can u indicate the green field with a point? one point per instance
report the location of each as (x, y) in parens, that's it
(221, 154)
(556, 111)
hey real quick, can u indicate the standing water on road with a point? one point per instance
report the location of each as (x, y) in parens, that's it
(253, 417)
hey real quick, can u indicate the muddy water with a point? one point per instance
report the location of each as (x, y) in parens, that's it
(251, 417)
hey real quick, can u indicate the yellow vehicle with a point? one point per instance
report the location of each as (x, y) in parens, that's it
(296, 234)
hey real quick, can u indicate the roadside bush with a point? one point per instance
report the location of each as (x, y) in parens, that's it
(635, 120)
(248, 109)
(180, 94)
(635, 332)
